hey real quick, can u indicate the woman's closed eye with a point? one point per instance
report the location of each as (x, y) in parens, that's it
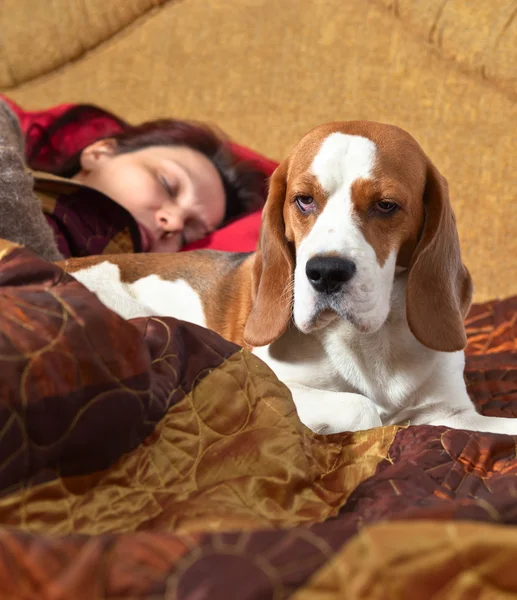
(170, 189)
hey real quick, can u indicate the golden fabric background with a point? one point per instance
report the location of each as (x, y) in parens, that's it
(267, 71)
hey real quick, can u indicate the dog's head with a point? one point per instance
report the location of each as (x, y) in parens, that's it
(353, 205)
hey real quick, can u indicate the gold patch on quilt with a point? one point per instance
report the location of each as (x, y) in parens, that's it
(231, 455)
(385, 560)
(6, 247)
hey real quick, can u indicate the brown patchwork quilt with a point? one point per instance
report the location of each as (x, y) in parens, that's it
(152, 459)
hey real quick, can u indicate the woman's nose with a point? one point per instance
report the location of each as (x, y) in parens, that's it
(170, 220)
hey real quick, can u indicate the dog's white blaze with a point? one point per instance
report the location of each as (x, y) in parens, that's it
(149, 296)
(341, 160)
(169, 298)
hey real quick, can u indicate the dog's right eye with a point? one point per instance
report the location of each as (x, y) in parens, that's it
(304, 203)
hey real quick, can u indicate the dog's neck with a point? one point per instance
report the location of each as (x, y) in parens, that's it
(235, 288)
(392, 330)
(381, 365)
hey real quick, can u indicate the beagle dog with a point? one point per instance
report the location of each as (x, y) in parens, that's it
(355, 296)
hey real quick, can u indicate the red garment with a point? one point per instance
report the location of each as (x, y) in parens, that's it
(240, 236)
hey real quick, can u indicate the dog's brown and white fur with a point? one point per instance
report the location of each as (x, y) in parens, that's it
(355, 296)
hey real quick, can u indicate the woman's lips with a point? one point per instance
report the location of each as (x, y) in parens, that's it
(145, 237)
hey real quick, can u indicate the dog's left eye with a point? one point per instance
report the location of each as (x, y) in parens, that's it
(385, 207)
(304, 203)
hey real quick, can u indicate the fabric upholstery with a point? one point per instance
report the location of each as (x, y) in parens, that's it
(268, 71)
(59, 31)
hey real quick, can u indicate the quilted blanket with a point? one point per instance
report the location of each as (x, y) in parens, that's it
(153, 459)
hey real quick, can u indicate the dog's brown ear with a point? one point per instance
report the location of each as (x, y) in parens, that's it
(439, 289)
(273, 270)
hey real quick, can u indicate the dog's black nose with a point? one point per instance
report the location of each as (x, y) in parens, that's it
(328, 273)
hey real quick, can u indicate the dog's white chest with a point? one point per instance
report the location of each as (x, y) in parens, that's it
(388, 366)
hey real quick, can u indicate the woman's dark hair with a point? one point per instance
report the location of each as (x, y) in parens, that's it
(57, 149)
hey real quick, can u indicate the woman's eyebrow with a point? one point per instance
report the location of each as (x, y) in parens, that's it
(182, 167)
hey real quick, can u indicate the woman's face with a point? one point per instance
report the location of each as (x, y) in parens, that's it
(175, 193)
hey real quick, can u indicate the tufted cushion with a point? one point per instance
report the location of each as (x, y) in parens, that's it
(38, 37)
(479, 36)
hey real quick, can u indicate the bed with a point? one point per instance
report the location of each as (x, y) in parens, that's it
(153, 459)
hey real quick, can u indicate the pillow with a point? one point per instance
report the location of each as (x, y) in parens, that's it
(239, 236)
(242, 234)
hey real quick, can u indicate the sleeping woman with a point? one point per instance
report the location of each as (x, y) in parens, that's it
(106, 186)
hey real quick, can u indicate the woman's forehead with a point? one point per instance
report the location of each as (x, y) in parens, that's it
(191, 159)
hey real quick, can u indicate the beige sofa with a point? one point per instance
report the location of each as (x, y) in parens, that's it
(267, 71)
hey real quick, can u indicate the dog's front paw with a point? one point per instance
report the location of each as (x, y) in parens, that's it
(327, 412)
